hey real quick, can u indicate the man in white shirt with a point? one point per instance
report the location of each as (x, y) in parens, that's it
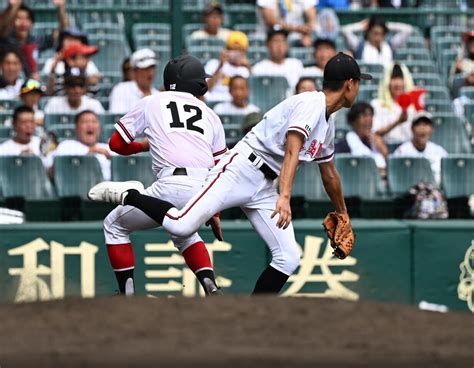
(126, 95)
(239, 90)
(87, 142)
(10, 70)
(279, 64)
(421, 146)
(295, 16)
(75, 100)
(233, 61)
(213, 17)
(24, 141)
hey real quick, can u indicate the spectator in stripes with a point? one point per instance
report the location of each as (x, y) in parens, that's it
(240, 91)
(213, 17)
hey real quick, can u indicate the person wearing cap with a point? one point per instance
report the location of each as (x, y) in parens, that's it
(362, 141)
(10, 74)
(299, 129)
(75, 58)
(16, 25)
(213, 17)
(421, 146)
(30, 94)
(297, 17)
(324, 50)
(239, 105)
(125, 95)
(391, 121)
(374, 48)
(279, 64)
(24, 141)
(75, 99)
(233, 61)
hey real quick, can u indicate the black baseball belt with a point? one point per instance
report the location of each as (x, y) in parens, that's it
(265, 169)
(180, 171)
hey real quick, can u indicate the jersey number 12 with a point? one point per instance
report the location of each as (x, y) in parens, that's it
(190, 121)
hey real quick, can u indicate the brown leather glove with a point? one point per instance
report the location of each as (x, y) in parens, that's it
(339, 231)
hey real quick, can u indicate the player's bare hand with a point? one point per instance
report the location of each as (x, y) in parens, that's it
(215, 223)
(283, 209)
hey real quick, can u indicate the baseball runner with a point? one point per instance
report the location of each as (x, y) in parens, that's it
(185, 139)
(301, 128)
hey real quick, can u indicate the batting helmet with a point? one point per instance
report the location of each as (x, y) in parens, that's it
(185, 74)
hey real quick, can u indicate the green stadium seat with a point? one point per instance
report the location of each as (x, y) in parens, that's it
(101, 29)
(106, 132)
(439, 31)
(75, 175)
(467, 91)
(304, 54)
(111, 77)
(446, 60)
(150, 29)
(151, 41)
(439, 106)
(415, 43)
(421, 66)
(308, 182)
(241, 13)
(367, 93)
(190, 28)
(437, 93)
(359, 176)
(63, 131)
(450, 132)
(109, 119)
(266, 92)
(44, 28)
(231, 119)
(371, 68)
(5, 133)
(340, 133)
(204, 42)
(113, 50)
(5, 117)
(136, 167)
(248, 28)
(340, 118)
(257, 40)
(404, 172)
(446, 43)
(24, 176)
(427, 80)
(204, 54)
(257, 53)
(233, 133)
(408, 54)
(101, 15)
(155, 5)
(8, 105)
(469, 112)
(55, 119)
(457, 175)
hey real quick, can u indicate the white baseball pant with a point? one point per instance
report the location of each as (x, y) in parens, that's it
(177, 189)
(238, 182)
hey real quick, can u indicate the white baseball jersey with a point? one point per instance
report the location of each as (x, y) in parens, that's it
(182, 130)
(304, 113)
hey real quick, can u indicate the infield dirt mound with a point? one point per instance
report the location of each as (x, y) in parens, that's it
(231, 332)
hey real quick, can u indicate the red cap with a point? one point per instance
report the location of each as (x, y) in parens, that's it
(79, 49)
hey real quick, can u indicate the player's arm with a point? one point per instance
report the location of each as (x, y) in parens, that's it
(118, 145)
(294, 142)
(332, 185)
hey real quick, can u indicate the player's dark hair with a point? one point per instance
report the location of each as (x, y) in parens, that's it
(357, 110)
(376, 21)
(30, 12)
(11, 50)
(304, 79)
(236, 77)
(21, 110)
(333, 85)
(78, 116)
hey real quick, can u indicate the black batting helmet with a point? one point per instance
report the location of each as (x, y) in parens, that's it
(185, 74)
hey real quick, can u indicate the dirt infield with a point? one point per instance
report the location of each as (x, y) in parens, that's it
(231, 332)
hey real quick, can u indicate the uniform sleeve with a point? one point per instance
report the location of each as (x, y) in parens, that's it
(326, 153)
(265, 3)
(133, 123)
(303, 117)
(219, 146)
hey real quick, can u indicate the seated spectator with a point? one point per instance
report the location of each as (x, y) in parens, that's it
(233, 61)
(10, 71)
(374, 48)
(125, 95)
(127, 70)
(391, 121)
(279, 64)
(87, 142)
(324, 49)
(362, 141)
(16, 24)
(239, 90)
(461, 101)
(75, 99)
(250, 121)
(30, 94)
(213, 17)
(305, 84)
(465, 59)
(421, 146)
(297, 17)
(74, 59)
(24, 141)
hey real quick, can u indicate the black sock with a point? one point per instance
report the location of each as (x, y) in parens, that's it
(206, 285)
(153, 207)
(122, 277)
(270, 281)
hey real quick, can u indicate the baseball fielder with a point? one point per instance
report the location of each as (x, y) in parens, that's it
(301, 128)
(185, 138)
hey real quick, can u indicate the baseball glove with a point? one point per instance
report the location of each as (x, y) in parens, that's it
(339, 231)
